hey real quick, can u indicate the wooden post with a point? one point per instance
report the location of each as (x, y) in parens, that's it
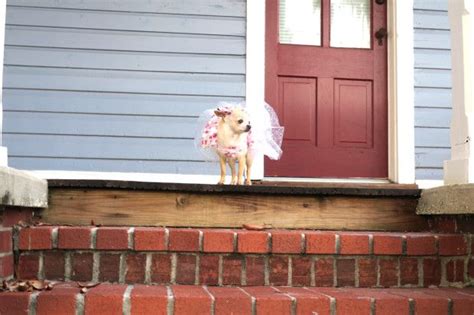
(460, 168)
(3, 150)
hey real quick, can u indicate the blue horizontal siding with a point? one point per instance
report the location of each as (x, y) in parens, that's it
(432, 87)
(118, 85)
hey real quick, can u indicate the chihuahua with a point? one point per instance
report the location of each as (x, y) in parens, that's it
(233, 142)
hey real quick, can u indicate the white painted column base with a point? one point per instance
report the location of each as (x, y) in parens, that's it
(458, 171)
(460, 168)
(3, 156)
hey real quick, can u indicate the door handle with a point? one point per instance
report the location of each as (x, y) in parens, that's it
(380, 35)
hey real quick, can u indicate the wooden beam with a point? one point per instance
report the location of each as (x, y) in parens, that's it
(190, 209)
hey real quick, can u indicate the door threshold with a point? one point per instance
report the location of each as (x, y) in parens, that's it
(327, 180)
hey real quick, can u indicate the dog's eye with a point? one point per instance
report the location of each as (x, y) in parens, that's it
(240, 121)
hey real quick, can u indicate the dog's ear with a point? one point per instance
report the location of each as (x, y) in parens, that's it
(221, 112)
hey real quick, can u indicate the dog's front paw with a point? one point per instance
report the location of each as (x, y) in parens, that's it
(221, 182)
(248, 182)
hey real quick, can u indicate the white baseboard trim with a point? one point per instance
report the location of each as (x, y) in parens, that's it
(429, 183)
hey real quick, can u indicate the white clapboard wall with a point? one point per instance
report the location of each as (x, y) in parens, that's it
(117, 85)
(432, 87)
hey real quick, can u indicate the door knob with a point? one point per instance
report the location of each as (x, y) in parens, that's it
(380, 35)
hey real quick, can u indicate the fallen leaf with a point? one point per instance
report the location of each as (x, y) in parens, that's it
(255, 227)
(87, 284)
(37, 284)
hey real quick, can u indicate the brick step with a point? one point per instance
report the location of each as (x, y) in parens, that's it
(220, 257)
(65, 298)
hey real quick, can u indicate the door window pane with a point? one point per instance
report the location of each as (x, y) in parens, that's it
(350, 23)
(300, 22)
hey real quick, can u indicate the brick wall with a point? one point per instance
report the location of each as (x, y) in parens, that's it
(241, 257)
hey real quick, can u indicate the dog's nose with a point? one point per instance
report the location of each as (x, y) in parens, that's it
(248, 128)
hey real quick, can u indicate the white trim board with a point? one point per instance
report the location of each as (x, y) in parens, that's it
(401, 98)
(255, 66)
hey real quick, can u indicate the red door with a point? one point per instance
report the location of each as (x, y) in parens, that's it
(326, 77)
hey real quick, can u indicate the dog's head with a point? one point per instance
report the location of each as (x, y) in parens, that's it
(237, 119)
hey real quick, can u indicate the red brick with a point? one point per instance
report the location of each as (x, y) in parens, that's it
(324, 272)
(147, 299)
(6, 241)
(14, 303)
(421, 245)
(13, 215)
(389, 304)
(278, 270)
(345, 272)
(252, 242)
(53, 265)
(74, 237)
(455, 270)
(348, 302)
(255, 270)
(286, 242)
(191, 300)
(388, 272)
(218, 241)
(462, 302)
(230, 301)
(425, 304)
(408, 271)
(184, 240)
(28, 266)
(320, 243)
(150, 239)
(385, 244)
(112, 238)
(36, 238)
(308, 301)
(301, 271)
(81, 265)
(354, 244)
(135, 268)
(269, 301)
(470, 268)
(61, 301)
(161, 268)
(185, 269)
(431, 272)
(442, 225)
(231, 270)
(209, 269)
(105, 299)
(367, 272)
(109, 267)
(452, 245)
(6, 266)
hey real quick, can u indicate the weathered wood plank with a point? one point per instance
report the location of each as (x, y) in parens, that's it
(122, 207)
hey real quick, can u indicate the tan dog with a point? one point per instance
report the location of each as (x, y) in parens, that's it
(233, 144)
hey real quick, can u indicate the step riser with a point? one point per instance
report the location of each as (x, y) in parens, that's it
(240, 257)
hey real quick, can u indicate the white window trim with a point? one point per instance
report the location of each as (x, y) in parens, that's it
(400, 97)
